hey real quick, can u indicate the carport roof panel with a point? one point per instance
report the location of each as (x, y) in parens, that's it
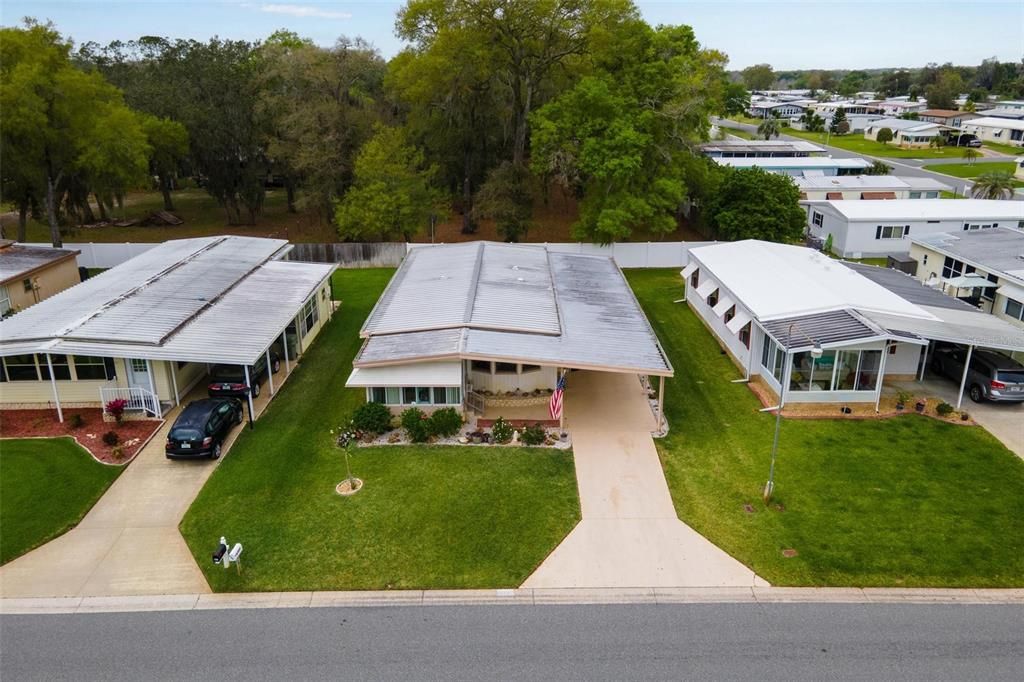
(956, 326)
(910, 288)
(834, 327)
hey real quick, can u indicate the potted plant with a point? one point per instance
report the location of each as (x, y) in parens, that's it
(920, 405)
(902, 398)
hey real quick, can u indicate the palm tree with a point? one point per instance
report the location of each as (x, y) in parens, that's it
(769, 127)
(993, 185)
(971, 154)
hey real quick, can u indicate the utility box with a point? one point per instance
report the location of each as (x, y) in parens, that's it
(903, 263)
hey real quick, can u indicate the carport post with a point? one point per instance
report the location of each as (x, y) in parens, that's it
(924, 364)
(963, 379)
(881, 376)
(284, 344)
(152, 389)
(270, 372)
(661, 403)
(248, 394)
(174, 383)
(53, 385)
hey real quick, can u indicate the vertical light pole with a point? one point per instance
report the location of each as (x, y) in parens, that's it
(816, 353)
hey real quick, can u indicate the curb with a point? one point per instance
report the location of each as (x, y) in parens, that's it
(512, 597)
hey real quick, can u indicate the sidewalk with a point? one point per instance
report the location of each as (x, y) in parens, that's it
(517, 597)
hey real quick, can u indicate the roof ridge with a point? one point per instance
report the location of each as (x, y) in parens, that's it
(474, 280)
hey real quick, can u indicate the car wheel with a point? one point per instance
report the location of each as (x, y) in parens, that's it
(215, 453)
(976, 393)
(276, 367)
(238, 418)
(255, 390)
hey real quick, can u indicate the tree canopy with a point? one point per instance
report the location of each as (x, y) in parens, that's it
(751, 203)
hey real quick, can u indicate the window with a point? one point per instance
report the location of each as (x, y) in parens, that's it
(924, 259)
(524, 369)
(892, 231)
(21, 368)
(1014, 309)
(309, 316)
(695, 278)
(505, 368)
(744, 335)
(27, 284)
(989, 293)
(729, 314)
(423, 395)
(915, 195)
(952, 268)
(61, 370)
(818, 219)
(713, 298)
(837, 370)
(93, 368)
(481, 366)
(5, 302)
(454, 395)
(931, 195)
(772, 358)
(393, 395)
(409, 395)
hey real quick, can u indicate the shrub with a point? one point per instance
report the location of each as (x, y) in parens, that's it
(501, 431)
(116, 408)
(75, 421)
(533, 435)
(884, 135)
(372, 418)
(111, 438)
(904, 397)
(944, 409)
(415, 424)
(117, 453)
(445, 422)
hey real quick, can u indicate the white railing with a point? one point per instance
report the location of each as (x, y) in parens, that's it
(136, 398)
(475, 402)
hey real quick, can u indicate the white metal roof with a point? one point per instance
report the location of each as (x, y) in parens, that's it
(569, 310)
(998, 249)
(217, 299)
(416, 374)
(18, 260)
(778, 280)
(995, 122)
(956, 326)
(867, 182)
(904, 124)
(935, 209)
(792, 162)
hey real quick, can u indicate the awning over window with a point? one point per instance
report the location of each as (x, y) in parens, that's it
(724, 303)
(706, 287)
(738, 322)
(878, 195)
(412, 374)
(833, 195)
(688, 270)
(1012, 291)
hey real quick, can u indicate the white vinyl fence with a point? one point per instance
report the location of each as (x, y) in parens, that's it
(627, 255)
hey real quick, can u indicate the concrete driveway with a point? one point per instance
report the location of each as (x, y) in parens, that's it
(630, 535)
(128, 543)
(1005, 421)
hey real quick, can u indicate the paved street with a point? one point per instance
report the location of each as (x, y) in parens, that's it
(630, 535)
(707, 641)
(902, 167)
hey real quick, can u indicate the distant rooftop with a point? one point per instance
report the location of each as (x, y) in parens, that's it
(993, 122)
(18, 261)
(935, 209)
(903, 124)
(998, 249)
(868, 182)
(796, 162)
(762, 146)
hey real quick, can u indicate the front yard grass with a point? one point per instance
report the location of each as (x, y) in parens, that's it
(46, 486)
(908, 502)
(427, 517)
(1007, 149)
(855, 142)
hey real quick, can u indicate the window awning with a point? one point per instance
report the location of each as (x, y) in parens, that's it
(969, 281)
(1012, 291)
(706, 287)
(412, 374)
(688, 270)
(833, 195)
(738, 322)
(724, 303)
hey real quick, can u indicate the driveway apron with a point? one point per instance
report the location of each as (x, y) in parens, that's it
(629, 535)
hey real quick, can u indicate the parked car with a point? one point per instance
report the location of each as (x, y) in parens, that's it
(200, 429)
(965, 140)
(991, 376)
(229, 380)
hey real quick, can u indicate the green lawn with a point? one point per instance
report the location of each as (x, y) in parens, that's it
(855, 142)
(428, 517)
(973, 170)
(46, 487)
(900, 502)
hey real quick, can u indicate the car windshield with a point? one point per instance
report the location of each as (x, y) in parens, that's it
(228, 373)
(1011, 376)
(185, 433)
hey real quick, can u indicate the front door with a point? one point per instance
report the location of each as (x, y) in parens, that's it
(138, 373)
(138, 377)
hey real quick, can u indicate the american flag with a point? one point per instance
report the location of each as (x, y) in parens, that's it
(555, 406)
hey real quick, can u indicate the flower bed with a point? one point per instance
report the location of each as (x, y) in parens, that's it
(478, 435)
(131, 435)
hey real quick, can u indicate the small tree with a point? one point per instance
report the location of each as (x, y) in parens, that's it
(770, 127)
(115, 408)
(843, 128)
(878, 168)
(970, 154)
(828, 244)
(752, 203)
(507, 197)
(993, 185)
(937, 142)
(884, 135)
(838, 119)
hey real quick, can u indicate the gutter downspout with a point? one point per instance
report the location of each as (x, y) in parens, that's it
(963, 379)
(248, 395)
(53, 385)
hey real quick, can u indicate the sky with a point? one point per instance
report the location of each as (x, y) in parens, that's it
(829, 34)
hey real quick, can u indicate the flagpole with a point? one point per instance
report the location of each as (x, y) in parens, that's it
(561, 413)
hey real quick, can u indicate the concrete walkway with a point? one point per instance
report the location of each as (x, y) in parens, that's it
(128, 543)
(1005, 421)
(630, 535)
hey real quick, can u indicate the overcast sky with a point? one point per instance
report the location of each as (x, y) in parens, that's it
(787, 35)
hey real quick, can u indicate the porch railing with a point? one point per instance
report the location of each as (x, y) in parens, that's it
(137, 398)
(475, 402)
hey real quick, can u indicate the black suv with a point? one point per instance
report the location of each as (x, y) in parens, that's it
(992, 376)
(229, 380)
(200, 429)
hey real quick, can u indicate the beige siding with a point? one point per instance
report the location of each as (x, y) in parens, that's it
(324, 306)
(52, 280)
(17, 393)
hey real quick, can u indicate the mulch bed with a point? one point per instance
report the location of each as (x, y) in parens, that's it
(133, 434)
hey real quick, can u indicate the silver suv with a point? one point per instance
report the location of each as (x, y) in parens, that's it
(992, 376)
